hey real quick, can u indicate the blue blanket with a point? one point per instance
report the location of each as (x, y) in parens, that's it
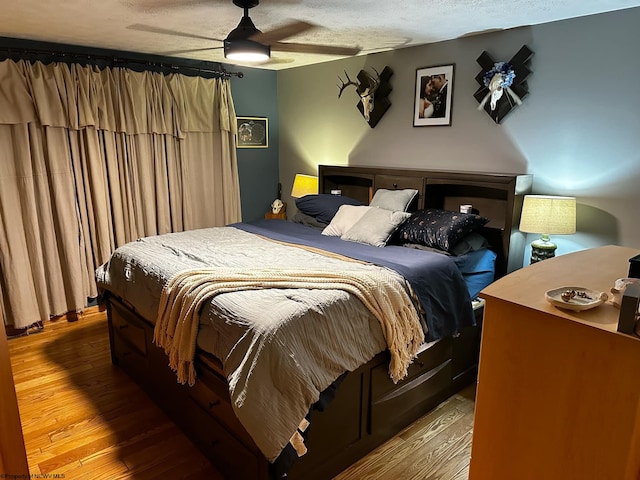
(434, 277)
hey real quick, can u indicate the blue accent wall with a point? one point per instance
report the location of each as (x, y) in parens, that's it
(255, 95)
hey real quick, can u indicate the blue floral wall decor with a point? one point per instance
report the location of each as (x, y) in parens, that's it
(503, 85)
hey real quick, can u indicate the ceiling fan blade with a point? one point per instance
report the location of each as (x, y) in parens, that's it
(162, 4)
(311, 48)
(167, 4)
(276, 60)
(165, 31)
(280, 33)
(191, 50)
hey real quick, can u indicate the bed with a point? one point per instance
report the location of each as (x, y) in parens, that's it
(281, 383)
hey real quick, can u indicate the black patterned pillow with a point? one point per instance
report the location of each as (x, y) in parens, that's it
(436, 228)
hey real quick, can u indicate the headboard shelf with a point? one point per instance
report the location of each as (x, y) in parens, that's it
(358, 186)
(497, 196)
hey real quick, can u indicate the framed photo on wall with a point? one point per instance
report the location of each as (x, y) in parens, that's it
(253, 132)
(433, 94)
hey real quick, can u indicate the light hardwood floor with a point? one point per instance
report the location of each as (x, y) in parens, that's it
(84, 418)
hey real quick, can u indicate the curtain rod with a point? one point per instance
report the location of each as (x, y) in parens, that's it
(114, 60)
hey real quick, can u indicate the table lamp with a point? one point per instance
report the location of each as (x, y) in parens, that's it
(304, 185)
(545, 214)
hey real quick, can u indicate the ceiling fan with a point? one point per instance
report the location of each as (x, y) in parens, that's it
(246, 43)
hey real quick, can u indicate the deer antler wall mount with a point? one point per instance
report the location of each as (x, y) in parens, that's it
(373, 91)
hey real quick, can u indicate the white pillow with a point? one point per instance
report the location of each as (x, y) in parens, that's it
(394, 200)
(375, 227)
(344, 219)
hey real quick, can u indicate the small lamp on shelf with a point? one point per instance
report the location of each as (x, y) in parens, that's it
(304, 185)
(546, 214)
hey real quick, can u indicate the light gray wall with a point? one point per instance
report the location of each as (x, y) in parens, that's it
(577, 132)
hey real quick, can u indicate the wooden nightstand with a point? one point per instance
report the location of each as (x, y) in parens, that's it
(281, 215)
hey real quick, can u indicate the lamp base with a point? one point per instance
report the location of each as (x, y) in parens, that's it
(541, 250)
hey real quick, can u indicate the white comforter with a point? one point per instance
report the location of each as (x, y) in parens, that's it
(279, 347)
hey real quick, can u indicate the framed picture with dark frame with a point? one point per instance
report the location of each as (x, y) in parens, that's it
(433, 96)
(253, 132)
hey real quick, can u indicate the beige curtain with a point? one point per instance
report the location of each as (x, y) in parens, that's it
(91, 159)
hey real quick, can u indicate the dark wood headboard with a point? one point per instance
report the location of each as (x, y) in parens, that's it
(497, 196)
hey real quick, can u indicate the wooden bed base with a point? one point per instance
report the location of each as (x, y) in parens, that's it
(368, 408)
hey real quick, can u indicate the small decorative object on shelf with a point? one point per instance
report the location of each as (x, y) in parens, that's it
(278, 210)
(628, 320)
(618, 289)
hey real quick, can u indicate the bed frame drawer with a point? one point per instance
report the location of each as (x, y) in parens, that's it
(229, 455)
(437, 354)
(211, 394)
(203, 411)
(425, 386)
(411, 400)
(129, 358)
(129, 328)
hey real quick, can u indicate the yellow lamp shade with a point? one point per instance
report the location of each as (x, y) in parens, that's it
(304, 185)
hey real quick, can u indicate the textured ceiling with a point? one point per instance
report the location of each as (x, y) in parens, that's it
(373, 25)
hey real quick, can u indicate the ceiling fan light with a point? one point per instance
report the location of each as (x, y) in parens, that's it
(246, 51)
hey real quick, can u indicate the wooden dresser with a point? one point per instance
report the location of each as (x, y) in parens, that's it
(558, 391)
(13, 457)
